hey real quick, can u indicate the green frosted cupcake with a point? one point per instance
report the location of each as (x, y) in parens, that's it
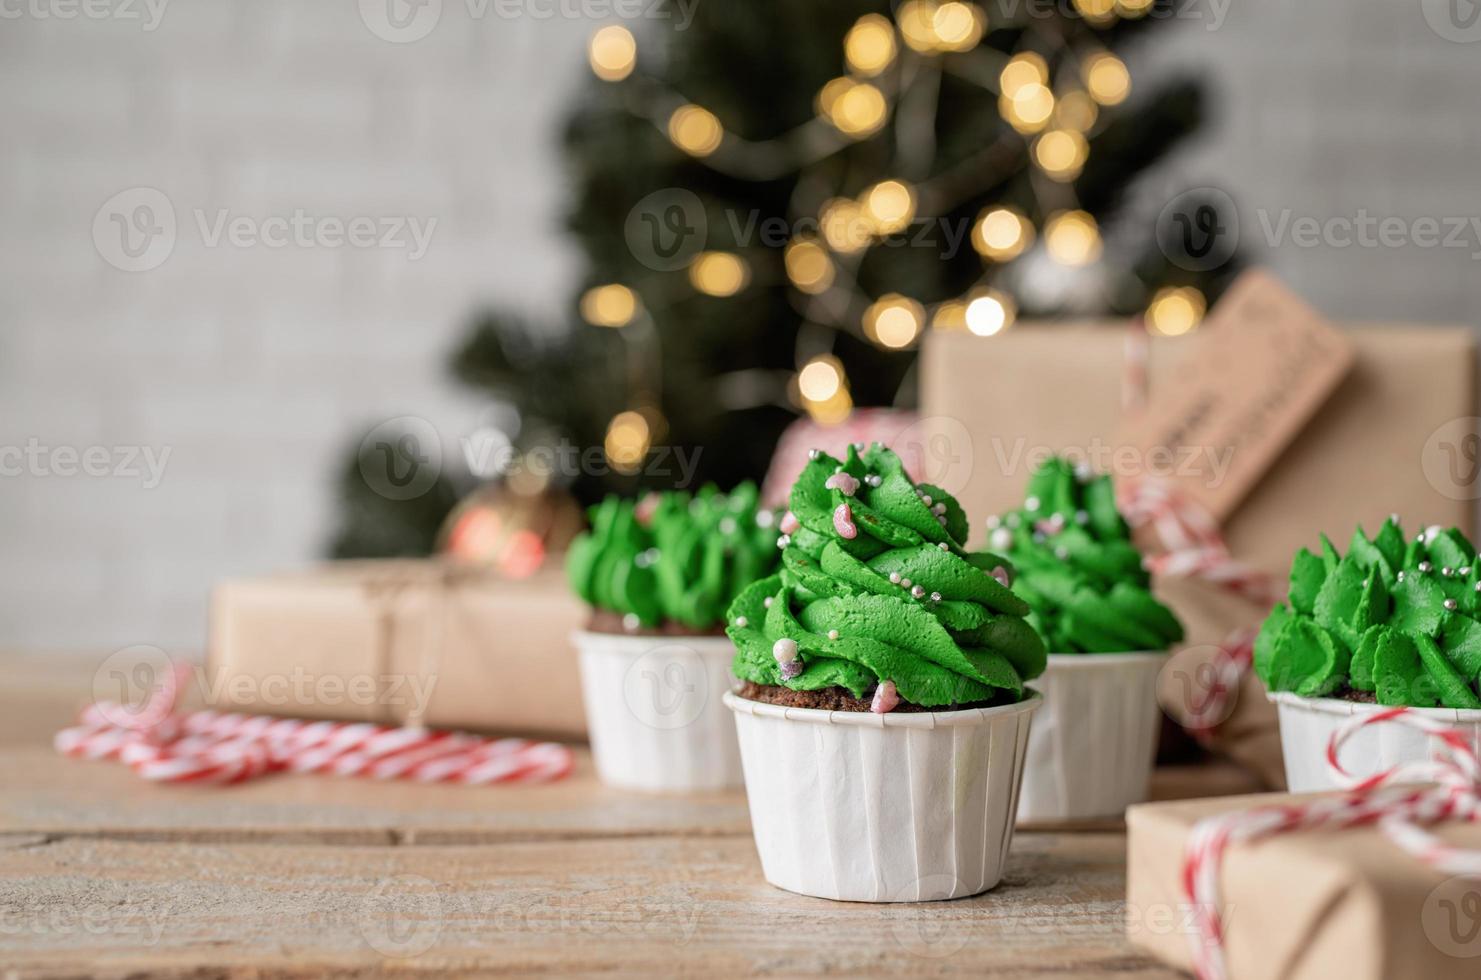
(1393, 621)
(671, 562)
(1077, 568)
(878, 606)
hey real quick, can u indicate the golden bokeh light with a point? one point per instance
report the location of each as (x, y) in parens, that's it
(1024, 68)
(695, 130)
(1002, 233)
(957, 26)
(889, 205)
(990, 312)
(820, 379)
(1072, 238)
(1132, 9)
(1028, 108)
(612, 305)
(917, 20)
(855, 108)
(950, 315)
(808, 266)
(1176, 310)
(869, 46)
(844, 225)
(894, 321)
(719, 273)
(833, 411)
(1097, 12)
(627, 441)
(1106, 78)
(1061, 153)
(1075, 110)
(612, 53)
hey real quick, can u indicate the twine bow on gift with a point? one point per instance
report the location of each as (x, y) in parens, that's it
(1450, 790)
(164, 745)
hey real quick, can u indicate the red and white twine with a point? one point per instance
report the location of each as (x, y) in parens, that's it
(163, 745)
(1450, 789)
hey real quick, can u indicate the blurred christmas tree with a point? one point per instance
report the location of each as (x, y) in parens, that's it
(777, 202)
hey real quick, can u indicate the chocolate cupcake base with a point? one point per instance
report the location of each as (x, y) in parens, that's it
(837, 699)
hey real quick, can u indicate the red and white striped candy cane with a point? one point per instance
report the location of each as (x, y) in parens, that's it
(1452, 792)
(217, 747)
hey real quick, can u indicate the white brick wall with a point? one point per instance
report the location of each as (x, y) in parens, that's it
(256, 366)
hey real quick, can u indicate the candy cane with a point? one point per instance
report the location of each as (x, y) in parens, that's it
(162, 745)
(1453, 793)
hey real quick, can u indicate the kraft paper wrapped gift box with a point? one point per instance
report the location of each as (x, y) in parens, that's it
(1377, 445)
(389, 641)
(1306, 905)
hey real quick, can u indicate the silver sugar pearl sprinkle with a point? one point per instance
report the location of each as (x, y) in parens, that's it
(1463, 571)
(917, 591)
(993, 521)
(1451, 604)
(894, 578)
(814, 453)
(1031, 503)
(905, 583)
(1447, 571)
(741, 621)
(630, 621)
(767, 601)
(944, 546)
(1425, 568)
(833, 634)
(1401, 578)
(935, 597)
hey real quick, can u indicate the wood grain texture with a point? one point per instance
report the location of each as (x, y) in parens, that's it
(102, 875)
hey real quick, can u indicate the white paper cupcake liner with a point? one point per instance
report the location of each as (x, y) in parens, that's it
(1091, 750)
(898, 807)
(1307, 726)
(654, 712)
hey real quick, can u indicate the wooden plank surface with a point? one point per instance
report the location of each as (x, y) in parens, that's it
(103, 875)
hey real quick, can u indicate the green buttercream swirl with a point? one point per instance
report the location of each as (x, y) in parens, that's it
(1395, 617)
(1077, 568)
(963, 638)
(673, 556)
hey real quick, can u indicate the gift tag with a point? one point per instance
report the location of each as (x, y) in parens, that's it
(1253, 375)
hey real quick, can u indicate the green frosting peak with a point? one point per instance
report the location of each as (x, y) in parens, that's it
(1394, 617)
(875, 586)
(673, 556)
(1077, 567)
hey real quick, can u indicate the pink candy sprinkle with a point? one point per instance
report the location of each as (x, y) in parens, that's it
(646, 508)
(843, 522)
(791, 669)
(842, 481)
(790, 524)
(886, 698)
(1001, 574)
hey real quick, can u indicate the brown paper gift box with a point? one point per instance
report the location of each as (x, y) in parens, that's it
(1305, 905)
(383, 641)
(992, 407)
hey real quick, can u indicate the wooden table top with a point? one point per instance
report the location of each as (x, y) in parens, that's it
(103, 875)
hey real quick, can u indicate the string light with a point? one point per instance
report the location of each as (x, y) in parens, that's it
(1072, 238)
(869, 46)
(808, 266)
(889, 205)
(990, 312)
(820, 379)
(1028, 108)
(1061, 153)
(1106, 78)
(719, 273)
(1024, 68)
(950, 315)
(1176, 310)
(695, 130)
(1075, 110)
(612, 305)
(894, 321)
(612, 53)
(1002, 233)
(855, 109)
(627, 442)
(957, 26)
(844, 226)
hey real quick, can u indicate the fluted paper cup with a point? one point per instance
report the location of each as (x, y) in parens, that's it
(654, 712)
(1091, 751)
(1308, 724)
(897, 807)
